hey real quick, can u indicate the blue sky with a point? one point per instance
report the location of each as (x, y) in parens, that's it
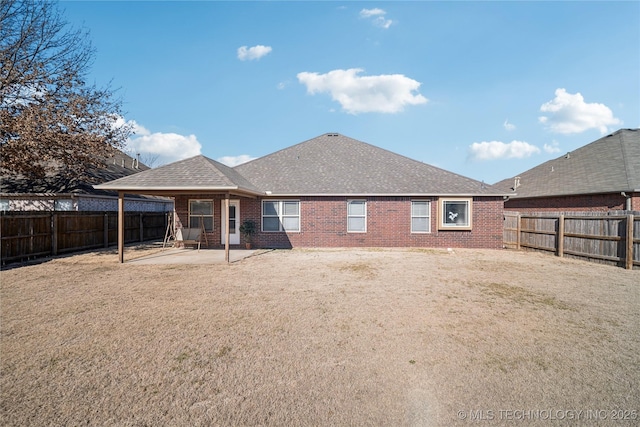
(483, 89)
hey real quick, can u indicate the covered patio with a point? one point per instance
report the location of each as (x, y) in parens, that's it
(192, 177)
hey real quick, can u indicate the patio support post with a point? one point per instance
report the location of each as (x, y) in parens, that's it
(226, 238)
(121, 226)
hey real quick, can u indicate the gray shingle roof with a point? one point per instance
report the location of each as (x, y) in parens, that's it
(118, 165)
(196, 173)
(610, 164)
(333, 164)
(330, 164)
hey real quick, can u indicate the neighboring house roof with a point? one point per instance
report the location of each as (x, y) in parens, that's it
(610, 164)
(116, 166)
(330, 164)
(197, 173)
(333, 164)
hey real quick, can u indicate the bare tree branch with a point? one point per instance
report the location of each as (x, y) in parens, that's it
(50, 119)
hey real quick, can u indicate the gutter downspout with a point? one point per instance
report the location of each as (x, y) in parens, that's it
(121, 227)
(628, 202)
(227, 232)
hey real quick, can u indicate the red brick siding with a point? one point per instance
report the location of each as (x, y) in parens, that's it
(579, 203)
(635, 202)
(324, 224)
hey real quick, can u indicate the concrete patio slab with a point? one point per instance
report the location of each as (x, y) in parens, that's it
(192, 256)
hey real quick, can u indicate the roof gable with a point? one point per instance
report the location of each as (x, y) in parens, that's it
(195, 173)
(333, 164)
(609, 164)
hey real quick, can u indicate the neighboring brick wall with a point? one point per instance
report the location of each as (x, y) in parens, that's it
(324, 224)
(580, 203)
(88, 203)
(82, 202)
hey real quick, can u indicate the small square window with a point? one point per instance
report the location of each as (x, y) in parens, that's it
(455, 214)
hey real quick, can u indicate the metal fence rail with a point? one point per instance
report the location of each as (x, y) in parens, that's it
(610, 239)
(28, 235)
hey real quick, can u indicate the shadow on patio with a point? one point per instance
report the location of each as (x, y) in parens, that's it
(192, 256)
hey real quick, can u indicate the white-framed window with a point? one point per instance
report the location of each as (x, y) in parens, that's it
(201, 210)
(356, 216)
(420, 216)
(455, 213)
(280, 215)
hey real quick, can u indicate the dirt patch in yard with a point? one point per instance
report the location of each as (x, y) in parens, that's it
(321, 337)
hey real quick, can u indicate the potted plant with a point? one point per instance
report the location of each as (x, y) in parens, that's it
(248, 229)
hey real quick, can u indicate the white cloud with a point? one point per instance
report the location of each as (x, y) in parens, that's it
(386, 93)
(568, 113)
(499, 150)
(368, 13)
(508, 126)
(138, 129)
(235, 160)
(282, 85)
(250, 53)
(163, 147)
(554, 147)
(382, 23)
(378, 17)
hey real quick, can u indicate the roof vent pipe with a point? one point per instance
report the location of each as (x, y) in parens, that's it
(516, 183)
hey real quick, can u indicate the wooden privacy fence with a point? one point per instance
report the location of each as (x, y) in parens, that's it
(610, 239)
(26, 235)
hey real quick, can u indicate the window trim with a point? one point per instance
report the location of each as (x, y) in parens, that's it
(349, 201)
(280, 215)
(212, 216)
(450, 226)
(428, 216)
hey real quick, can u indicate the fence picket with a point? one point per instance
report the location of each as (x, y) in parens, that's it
(612, 239)
(28, 235)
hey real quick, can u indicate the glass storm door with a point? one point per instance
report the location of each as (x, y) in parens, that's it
(234, 224)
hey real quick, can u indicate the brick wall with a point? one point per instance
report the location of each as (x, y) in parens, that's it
(579, 203)
(324, 224)
(85, 202)
(635, 202)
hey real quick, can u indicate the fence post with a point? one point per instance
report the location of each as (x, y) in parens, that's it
(518, 229)
(141, 228)
(105, 228)
(560, 236)
(629, 251)
(54, 234)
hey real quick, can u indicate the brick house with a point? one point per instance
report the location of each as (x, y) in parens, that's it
(55, 192)
(329, 191)
(601, 176)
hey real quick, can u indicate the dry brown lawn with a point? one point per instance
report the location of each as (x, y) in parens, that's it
(321, 338)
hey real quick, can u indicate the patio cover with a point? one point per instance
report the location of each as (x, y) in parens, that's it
(190, 176)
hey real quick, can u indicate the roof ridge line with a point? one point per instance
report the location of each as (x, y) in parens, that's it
(216, 170)
(285, 148)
